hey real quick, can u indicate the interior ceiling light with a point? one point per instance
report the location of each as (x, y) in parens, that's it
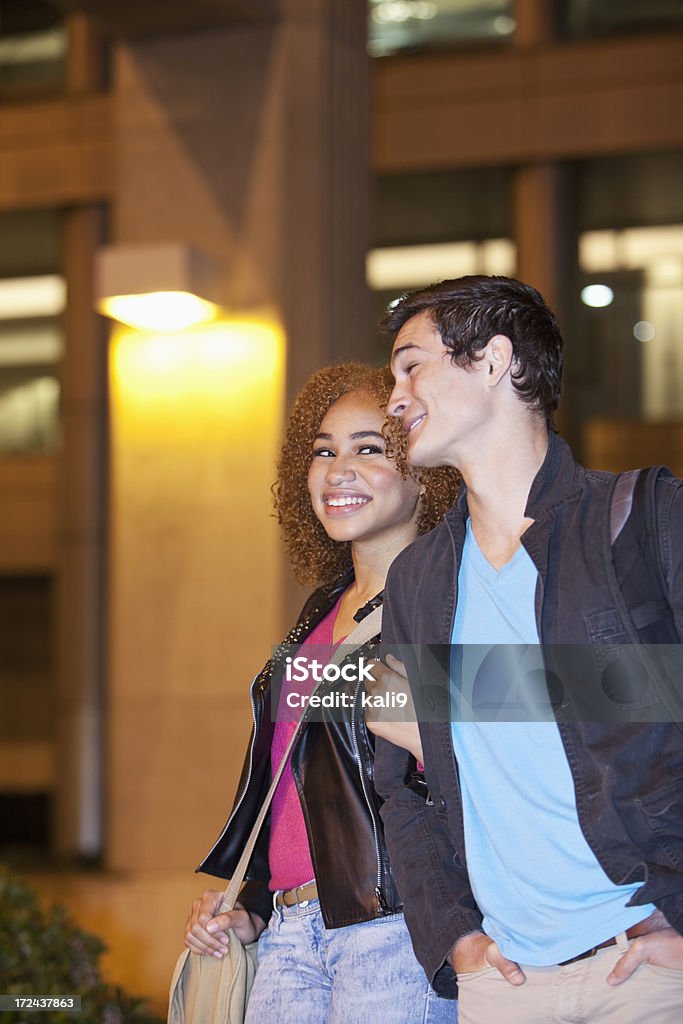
(32, 297)
(33, 47)
(397, 11)
(158, 287)
(644, 331)
(30, 344)
(409, 266)
(504, 25)
(597, 295)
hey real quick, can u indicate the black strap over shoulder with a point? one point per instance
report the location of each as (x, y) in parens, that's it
(635, 554)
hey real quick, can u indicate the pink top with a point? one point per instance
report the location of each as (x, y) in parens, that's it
(289, 856)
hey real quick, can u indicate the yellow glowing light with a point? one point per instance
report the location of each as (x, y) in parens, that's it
(159, 311)
(195, 426)
(228, 367)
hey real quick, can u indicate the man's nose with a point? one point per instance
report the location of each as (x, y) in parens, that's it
(398, 402)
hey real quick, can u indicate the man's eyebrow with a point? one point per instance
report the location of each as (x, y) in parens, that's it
(402, 349)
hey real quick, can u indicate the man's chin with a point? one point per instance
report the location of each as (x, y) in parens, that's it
(421, 459)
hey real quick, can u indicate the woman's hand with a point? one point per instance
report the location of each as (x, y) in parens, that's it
(394, 723)
(206, 931)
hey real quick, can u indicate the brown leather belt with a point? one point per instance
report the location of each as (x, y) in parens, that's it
(292, 897)
(642, 928)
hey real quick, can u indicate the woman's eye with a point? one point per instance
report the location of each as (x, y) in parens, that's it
(324, 453)
(410, 368)
(371, 449)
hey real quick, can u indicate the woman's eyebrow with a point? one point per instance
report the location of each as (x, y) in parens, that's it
(354, 437)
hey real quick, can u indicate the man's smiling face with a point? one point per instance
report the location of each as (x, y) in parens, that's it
(441, 405)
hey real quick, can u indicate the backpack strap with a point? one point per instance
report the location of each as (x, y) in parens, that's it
(621, 502)
(635, 554)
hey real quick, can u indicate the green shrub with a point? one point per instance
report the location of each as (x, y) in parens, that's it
(43, 952)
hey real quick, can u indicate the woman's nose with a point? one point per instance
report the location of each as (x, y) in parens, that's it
(340, 470)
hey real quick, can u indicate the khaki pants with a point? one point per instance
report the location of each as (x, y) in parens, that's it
(576, 994)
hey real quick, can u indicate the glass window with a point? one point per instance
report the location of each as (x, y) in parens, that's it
(399, 25)
(632, 312)
(442, 206)
(435, 225)
(27, 720)
(626, 360)
(609, 17)
(32, 296)
(33, 43)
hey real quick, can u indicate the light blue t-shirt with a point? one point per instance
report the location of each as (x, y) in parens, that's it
(543, 894)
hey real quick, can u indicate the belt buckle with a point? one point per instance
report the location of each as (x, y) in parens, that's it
(290, 897)
(300, 902)
(586, 955)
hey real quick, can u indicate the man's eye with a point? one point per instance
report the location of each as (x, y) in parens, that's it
(324, 453)
(410, 368)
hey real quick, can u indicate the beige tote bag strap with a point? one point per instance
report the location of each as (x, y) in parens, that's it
(365, 630)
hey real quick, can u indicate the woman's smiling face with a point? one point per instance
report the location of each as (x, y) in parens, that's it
(356, 492)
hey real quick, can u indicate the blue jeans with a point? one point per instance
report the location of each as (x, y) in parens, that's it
(362, 974)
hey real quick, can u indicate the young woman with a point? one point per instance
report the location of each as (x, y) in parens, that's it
(335, 947)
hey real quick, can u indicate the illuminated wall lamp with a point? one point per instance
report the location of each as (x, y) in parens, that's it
(162, 287)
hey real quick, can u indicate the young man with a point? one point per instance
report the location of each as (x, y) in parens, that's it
(545, 868)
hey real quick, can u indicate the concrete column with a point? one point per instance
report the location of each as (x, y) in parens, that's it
(540, 192)
(546, 240)
(547, 258)
(79, 531)
(85, 69)
(544, 215)
(326, 184)
(537, 21)
(249, 143)
(80, 551)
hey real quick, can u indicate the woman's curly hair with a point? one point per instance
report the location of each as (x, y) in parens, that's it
(315, 558)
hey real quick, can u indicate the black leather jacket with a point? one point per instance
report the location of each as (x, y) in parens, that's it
(628, 778)
(333, 757)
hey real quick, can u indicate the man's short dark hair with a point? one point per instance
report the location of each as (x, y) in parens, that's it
(469, 311)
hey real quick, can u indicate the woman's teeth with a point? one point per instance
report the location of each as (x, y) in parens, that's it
(339, 502)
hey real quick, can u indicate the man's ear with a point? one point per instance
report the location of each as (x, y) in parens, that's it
(498, 358)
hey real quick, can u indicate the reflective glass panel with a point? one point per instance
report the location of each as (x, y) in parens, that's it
(33, 44)
(627, 356)
(399, 25)
(435, 225)
(27, 720)
(610, 17)
(32, 297)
